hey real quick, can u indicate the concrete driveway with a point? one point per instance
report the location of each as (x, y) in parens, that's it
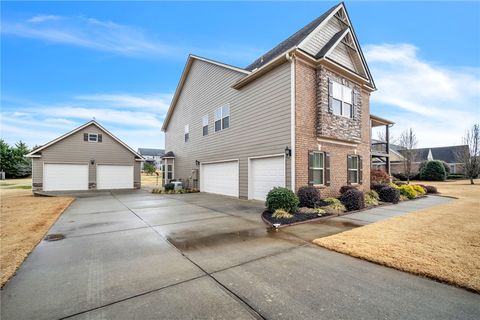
(137, 255)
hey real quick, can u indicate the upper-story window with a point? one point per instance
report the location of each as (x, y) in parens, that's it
(222, 118)
(187, 132)
(341, 99)
(92, 137)
(205, 124)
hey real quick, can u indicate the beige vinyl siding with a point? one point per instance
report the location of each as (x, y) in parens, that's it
(259, 119)
(74, 150)
(342, 56)
(322, 36)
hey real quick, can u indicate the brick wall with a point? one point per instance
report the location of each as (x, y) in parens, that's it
(311, 106)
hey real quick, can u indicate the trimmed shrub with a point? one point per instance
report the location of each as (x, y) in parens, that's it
(433, 171)
(335, 204)
(353, 199)
(445, 165)
(379, 186)
(308, 196)
(169, 186)
(389, 194)
(282, 214)
(379, 176)
(430, 189)
(393, 185)
(345, 188)
(420, 190)
(408, 191)
(371, 198)
(454, 176)
(282, 198)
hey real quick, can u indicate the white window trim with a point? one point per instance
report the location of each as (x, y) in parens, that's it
(93, 135)
(319, 168)
(343, 100)
(222, 116)
(357, 170)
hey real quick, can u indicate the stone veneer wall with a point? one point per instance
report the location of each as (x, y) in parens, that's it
(311, 115)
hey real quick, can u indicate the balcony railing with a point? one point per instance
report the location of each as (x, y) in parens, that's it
(379, 148)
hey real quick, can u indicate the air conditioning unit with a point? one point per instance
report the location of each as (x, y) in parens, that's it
(177, 185)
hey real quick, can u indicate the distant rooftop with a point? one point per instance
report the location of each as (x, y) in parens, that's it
(151, 152)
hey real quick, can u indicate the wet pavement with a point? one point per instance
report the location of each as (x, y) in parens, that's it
(137, 255)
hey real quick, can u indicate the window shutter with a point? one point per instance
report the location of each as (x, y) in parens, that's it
(310, 171)
(327, 168)
(330, 96)
(85, 137)
(99, 137)
(360, 170)
(348, 172)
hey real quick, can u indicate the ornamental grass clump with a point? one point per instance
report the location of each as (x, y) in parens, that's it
(353, 200)
(282, 198)
(371, 198)
(335, 204)
(282, 214)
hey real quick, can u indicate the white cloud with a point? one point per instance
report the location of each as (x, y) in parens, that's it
(43, 18)
(438, 102)
(160, 102)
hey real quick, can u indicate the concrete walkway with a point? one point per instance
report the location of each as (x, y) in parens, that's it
(197, 256)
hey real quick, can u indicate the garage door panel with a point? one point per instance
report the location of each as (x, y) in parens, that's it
(265, 174)
(58, 177)
(220, 178)
(114, 177)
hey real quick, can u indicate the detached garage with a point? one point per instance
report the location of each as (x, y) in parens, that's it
(87, 158)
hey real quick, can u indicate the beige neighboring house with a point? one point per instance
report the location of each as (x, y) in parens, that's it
(88, 157)
(298, 115)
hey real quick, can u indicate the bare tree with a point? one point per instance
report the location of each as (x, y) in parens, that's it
(408, 141)
(470, 158)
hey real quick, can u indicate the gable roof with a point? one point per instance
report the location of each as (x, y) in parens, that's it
(448, 154)
(151, 152)
(33, 154)
(292, 41)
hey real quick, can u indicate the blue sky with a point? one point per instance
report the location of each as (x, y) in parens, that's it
(63, 63)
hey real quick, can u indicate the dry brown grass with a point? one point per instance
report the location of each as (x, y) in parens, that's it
(441, 242)
(24, 220)
(151, 180)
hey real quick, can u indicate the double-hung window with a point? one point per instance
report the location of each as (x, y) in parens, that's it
(341, 100)
(92, 137)
(222, 118)
(353, 169)
(317, 168)
(205, 124)
(187, 133)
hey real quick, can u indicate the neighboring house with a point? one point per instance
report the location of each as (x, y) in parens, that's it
(153, 156)
(298, 115)
(88, 157)
(447, 154)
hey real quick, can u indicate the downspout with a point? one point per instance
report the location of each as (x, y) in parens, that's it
(290, 57)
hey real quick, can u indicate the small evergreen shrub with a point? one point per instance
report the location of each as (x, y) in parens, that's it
(308, 196)
(345, 188)
(433, 171)
(408, 191)
(335, 204)
(282, 198)
(169, 186)
(353, 199)
(445, 165)
(454, 176)
(389, 194)
(420, 190)
(378, 186)
(282, 214)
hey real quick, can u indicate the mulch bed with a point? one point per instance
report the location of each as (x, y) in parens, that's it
(297, 217)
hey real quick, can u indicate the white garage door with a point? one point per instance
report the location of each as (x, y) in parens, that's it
(220, 178)
(265, 173)
(58, 177)
(114, 177)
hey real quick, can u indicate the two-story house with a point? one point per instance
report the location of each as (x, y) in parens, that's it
(298, 115)
(152, 156)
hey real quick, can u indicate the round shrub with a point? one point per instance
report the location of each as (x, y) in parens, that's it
(308, 196)
(344, 189)
(430, 189)
(433, 171)
(282, 198)
(389, 194)
(169, 186)
(378, 186)
(445, 165)
(408, 191)
(420, 190)
(353, 199)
